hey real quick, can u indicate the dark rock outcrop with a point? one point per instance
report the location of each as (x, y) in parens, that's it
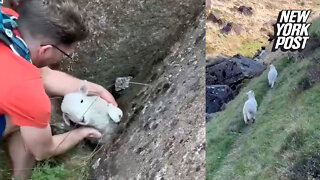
(215, 18)
(227, 28)
(232, 71)
(217, 96)
(224, 79)
(245, 10)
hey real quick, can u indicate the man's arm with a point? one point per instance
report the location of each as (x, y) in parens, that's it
(43, 145)
(57, 83)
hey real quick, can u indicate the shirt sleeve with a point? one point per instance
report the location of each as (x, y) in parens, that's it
(28, 104)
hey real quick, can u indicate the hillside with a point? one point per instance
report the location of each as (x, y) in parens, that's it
(284, 141)
(252, 30)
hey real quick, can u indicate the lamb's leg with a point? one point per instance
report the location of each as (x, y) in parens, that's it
(245, 117)
(250, 116)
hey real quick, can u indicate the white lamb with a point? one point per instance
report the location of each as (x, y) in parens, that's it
(250, 108)
(272, 75)
(92, 111)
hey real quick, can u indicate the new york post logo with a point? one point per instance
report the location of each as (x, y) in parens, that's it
(291, 30)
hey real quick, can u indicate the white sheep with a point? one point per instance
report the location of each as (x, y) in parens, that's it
(250, 108)
(272, 75)
(93, 111)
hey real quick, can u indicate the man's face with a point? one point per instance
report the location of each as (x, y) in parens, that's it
(48, 54)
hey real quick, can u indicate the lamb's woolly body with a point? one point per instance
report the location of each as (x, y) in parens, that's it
(272, 75)
(250, 108)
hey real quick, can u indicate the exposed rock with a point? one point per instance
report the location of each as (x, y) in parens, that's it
(129, 37)
(245, 10)
(216, 96)
(209, 116)
(232, 71)
(208, 4)
(227, 28)
(260, 52)
(238, 29)
(164, 136)
(270, 23)
(270, 37)
(215, 18)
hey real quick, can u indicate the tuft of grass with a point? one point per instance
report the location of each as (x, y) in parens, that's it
(249, 49)
(74, 165)
(217, 11)
(50, 170)
(284, 132)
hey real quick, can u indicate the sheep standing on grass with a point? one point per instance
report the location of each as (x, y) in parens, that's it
(250, 108)
(272, 75)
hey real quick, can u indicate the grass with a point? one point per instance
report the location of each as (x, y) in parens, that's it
(73, 165)
(4, 163)
(314, 28)
(286, 129)
(249, 49)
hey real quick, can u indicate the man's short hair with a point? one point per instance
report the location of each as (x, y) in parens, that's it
(61, 22)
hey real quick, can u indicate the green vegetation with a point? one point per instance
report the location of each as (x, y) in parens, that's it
(5, 166)
(286, 131)
(314, 29)
(73, 165)
(249, 49)
(217, 11)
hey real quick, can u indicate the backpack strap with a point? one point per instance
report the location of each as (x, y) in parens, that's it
(15, 43)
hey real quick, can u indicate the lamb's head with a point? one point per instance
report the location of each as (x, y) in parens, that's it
(250, 94)
(114, 113)
(75, 105)
(271, 66)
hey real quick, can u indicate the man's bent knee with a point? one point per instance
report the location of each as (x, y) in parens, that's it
(9, 127)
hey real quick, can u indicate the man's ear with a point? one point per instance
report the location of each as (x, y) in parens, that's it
(44, 50)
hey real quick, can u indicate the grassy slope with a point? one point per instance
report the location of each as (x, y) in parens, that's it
(286, 129)
(255, 30)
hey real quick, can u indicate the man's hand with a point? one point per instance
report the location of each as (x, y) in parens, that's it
(89, 132)
(57, 83)
(43, 145)
(102, 92)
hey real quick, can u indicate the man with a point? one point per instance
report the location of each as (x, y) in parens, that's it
(49, 31)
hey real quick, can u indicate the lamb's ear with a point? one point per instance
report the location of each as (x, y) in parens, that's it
(84, 87)
(66, 118)
(114, 113)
